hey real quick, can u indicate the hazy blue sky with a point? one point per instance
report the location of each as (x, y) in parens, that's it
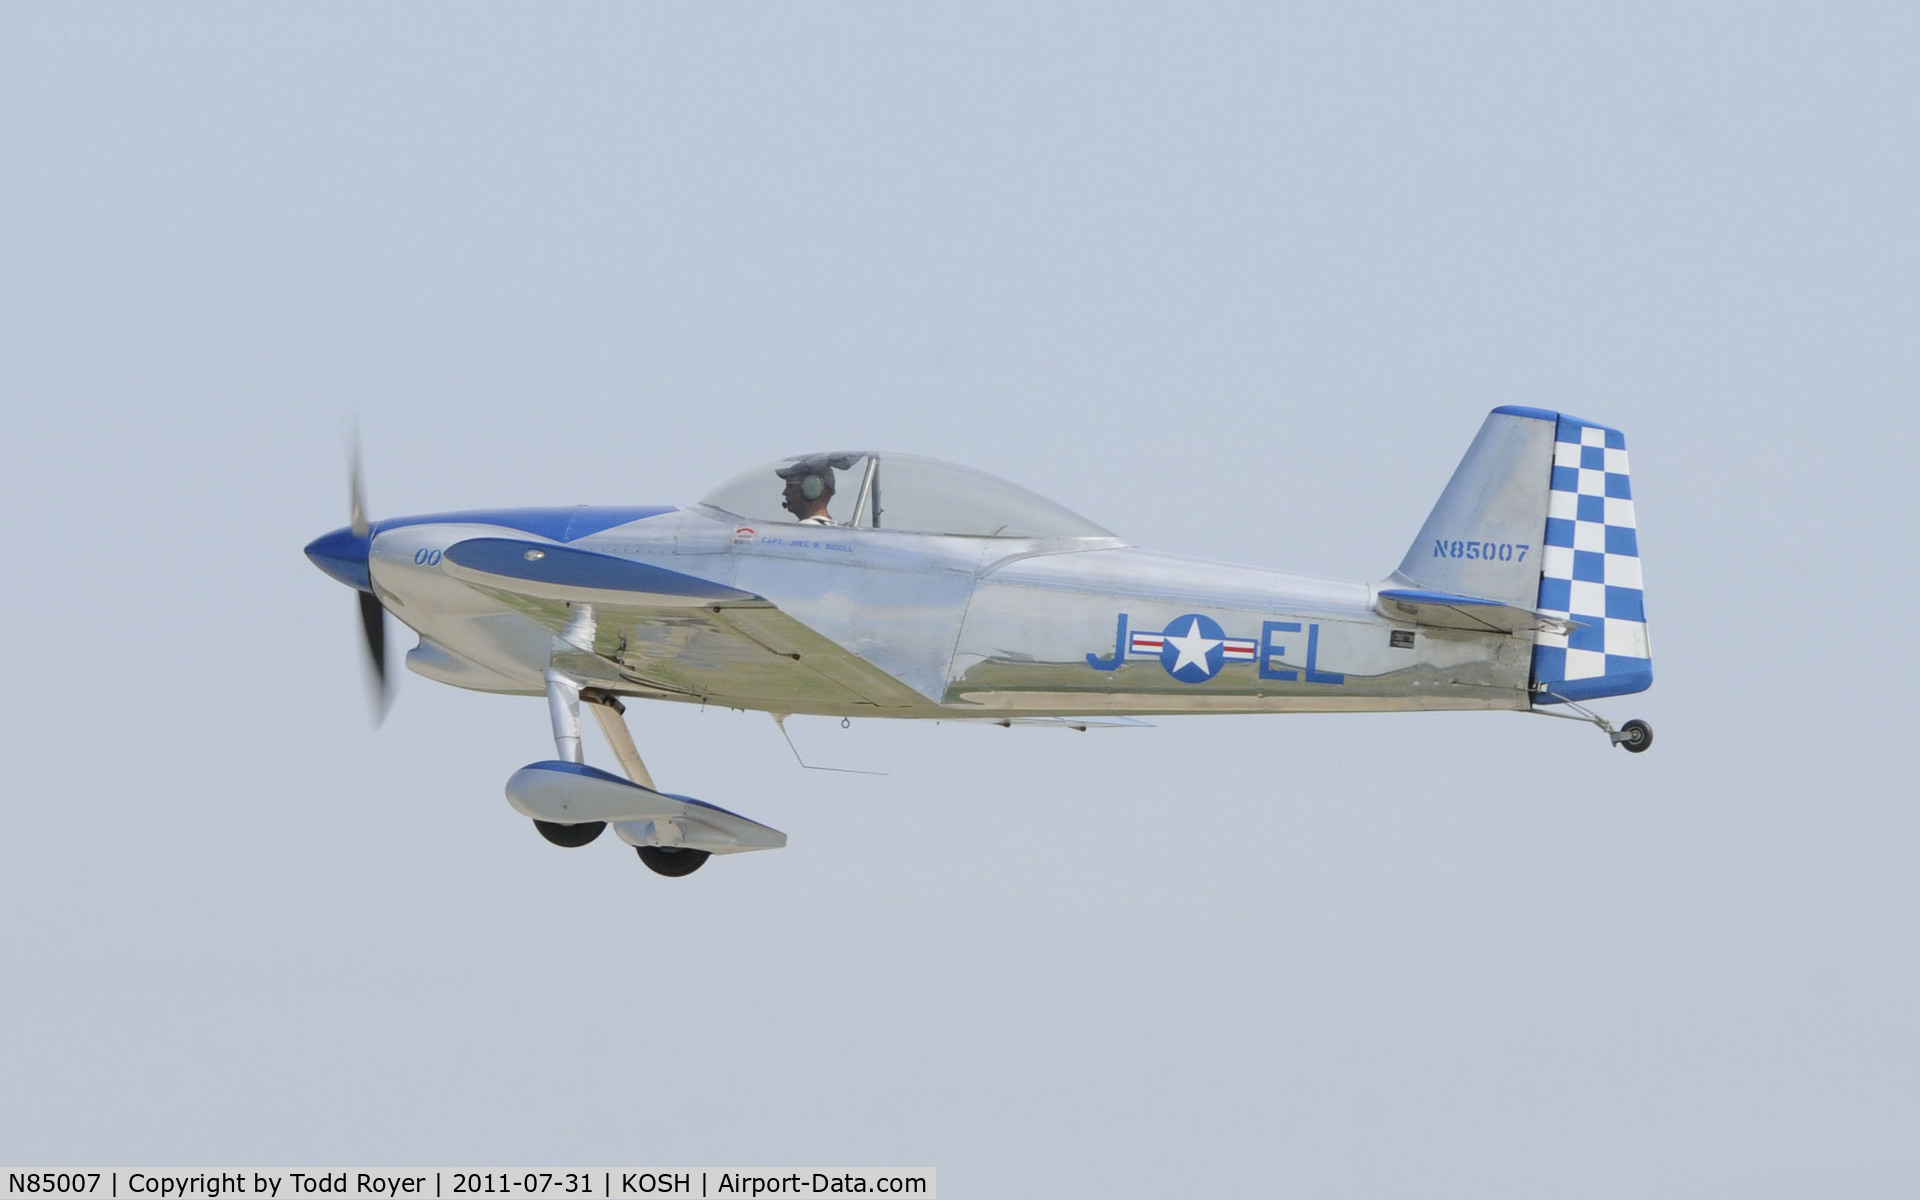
(1238, 281)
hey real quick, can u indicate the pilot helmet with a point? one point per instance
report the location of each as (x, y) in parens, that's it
(815, 472)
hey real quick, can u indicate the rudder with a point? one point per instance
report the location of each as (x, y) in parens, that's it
(1590, 572)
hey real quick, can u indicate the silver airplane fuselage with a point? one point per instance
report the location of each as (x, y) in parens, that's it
(953, 626)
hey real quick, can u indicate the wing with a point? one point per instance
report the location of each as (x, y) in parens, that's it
(675, 633)
(1082, 724)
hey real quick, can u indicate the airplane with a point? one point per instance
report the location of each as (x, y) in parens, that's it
(874, 584)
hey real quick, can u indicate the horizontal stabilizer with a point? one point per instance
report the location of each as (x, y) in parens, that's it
(570, 793)
(1444, 610)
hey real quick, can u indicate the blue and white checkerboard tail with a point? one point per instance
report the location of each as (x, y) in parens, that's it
(1590, 572)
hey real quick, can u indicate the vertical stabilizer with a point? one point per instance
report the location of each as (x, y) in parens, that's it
(1539, 515)
(1483, 538)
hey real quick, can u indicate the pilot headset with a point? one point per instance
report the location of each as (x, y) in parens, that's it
(815, 477)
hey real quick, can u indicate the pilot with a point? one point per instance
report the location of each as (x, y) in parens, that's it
(809, 491)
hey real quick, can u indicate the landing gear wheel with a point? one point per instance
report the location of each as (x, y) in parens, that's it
(1636, 736)
(570, 835)
(672, 861)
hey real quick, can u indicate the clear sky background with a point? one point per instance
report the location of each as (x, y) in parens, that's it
(1239, 281)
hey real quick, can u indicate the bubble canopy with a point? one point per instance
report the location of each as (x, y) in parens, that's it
(903, 492)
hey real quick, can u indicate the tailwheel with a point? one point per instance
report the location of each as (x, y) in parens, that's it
(1634, 737)
(672, 861)
(570, 836)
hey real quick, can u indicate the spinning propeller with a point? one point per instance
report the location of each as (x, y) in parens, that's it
(373, 615)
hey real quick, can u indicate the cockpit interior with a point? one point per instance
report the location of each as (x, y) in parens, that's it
(901, 492)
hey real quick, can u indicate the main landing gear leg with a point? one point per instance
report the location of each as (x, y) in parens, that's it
(1635, 736)
(611, 714)
(563, 705)
(672, 861)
